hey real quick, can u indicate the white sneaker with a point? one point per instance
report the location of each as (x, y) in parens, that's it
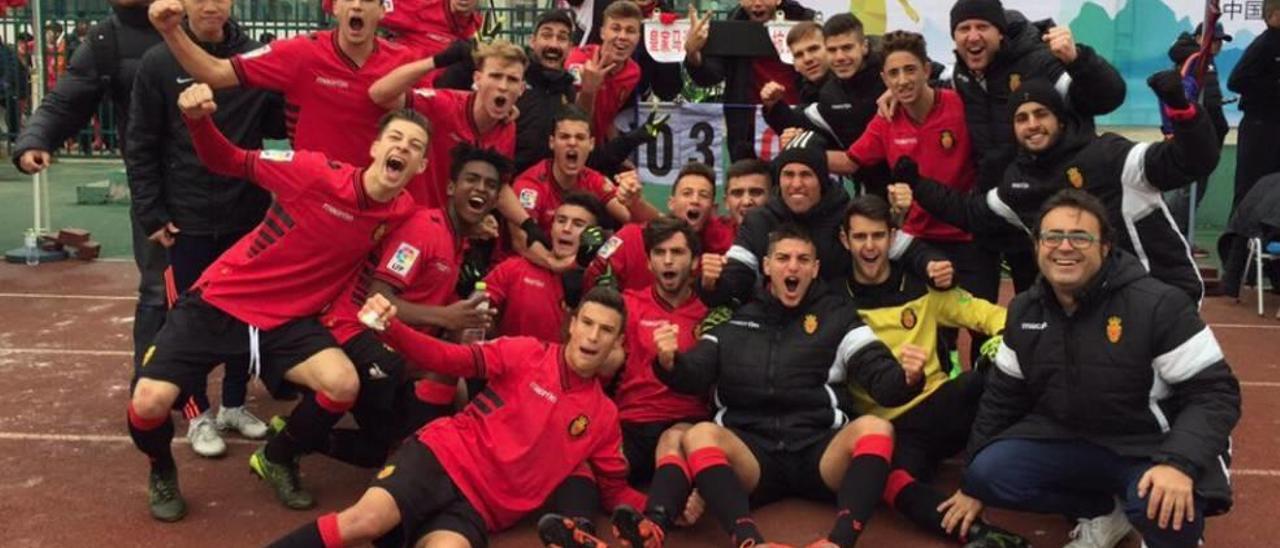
(242, 421)
(1102, 531)
(204, 438)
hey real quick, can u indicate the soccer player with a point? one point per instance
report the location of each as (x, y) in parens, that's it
(532, 301)
(605, 73)
(543, 415)
(693, 199)
(324, 76)
(780, 367)
(905, 314)
(416, 270)
(746, 187)
(428, 27)
(262, 296)
(654, 417)
(810, 61)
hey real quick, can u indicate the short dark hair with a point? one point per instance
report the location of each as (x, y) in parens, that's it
(696, 168)
(904, 40)
(622, 9)
(801, 31)
(789, 231)
(465, 153)
(1083, 201)
(664, 228)
(1270, 6)
(571, 112)
(607, 297)
(749, 166)
(870, 206)
(843, 23)
(585, 201)
(406, 114)
(561, 16)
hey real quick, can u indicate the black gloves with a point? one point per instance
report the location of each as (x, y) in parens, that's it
(534, 233)
(906, 171)
(589, 243)
(1168, 87)
(458, 51)
(648, 131)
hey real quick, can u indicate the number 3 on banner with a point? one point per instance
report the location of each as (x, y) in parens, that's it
(661, 151)
(702, 134)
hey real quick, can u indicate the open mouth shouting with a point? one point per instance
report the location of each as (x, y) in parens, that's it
(553, 54)
(478, 204)
(760, 13)
(394, 168)
(694, 216)
(356, 23)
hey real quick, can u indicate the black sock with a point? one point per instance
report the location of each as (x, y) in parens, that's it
(668, 491)
(308, 428)
(312, 535)
(914, 500)
(355, 447)
(726, 500)
(153, 437)
(861, 488)
(576, 497)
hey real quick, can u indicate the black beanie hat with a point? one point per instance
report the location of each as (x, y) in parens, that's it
(807, 148)
(991, 11)
(562, 16)
(1038, 91)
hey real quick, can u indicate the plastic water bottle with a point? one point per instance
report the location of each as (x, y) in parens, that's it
(29, 245)
(476, 334)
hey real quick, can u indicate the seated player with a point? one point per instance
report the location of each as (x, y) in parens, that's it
(906, 314)
(654, 418)
(543, 415)
(262, 296)
(416, 270)
(693, 199)
(533, 301)
(780, 367)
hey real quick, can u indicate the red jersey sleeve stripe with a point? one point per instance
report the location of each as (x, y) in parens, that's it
(238, 68)
(393, 281)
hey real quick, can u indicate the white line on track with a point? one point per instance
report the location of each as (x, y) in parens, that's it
(65, 352)
(1245, 325)
(1265, 384)
(75, 297)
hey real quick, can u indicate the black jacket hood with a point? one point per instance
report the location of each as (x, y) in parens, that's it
(833, 201)
(233, 39)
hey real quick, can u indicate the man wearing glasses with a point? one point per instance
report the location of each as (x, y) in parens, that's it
(1059, 150)
(1111, 401)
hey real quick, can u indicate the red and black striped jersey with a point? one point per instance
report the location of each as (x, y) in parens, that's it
(452, 123)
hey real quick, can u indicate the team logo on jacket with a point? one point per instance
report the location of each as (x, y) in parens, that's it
(386, 471)
(947, 140)
(1114, 329)
(908, 318)
(379, 231)
(1075, 177)
(578, 426)
(810, 324)
(1015, 81)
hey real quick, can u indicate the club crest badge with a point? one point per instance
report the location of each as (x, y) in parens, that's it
(1115, 329)
(810, 324)
(1075, 177)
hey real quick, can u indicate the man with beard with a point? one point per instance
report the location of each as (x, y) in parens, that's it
(106, 64)
(262, 296)
(1059, 150)
(746, 187)
(605, 74)
(622, 260)
(548, 87)
(193, 213)
(415, 269)
(996, 52)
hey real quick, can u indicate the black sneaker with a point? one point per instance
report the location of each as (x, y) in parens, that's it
(985, 535)
(165, 498)
(284, 479)
(634, 530)
(557, 531)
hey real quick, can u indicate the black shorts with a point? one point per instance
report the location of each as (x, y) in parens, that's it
(938, 427)
(640, 443)
(382, 373)
(427, 499)
(198, 336)
(792, 472)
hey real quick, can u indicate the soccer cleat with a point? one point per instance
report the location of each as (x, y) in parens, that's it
(634, 530)
(204, 438)
(283, 479)
(557, 531)
(164, 496)
(1102, 531)
(985, 535)
(242, 421)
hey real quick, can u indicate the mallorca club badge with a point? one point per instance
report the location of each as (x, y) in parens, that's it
(1114, 329)
(578, 426)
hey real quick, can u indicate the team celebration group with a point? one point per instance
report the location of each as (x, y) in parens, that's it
(457, 252)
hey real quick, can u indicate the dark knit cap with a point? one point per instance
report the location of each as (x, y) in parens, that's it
(562, 16)
(1038, 91)
(809, 149)
(991, 11)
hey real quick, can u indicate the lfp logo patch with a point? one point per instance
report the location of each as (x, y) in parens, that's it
(402, 261)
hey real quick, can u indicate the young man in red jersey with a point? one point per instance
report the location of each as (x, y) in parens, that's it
(532, 301)
(428, 27)
(654, 417)
(543, 415)
(324, 76)
(605, 73)
(693, 199)
(262, 296)
(416, 270)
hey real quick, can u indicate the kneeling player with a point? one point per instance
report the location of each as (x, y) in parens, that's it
(260, 298)
(542, 415)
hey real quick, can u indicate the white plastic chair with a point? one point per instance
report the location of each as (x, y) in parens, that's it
(1257, 254)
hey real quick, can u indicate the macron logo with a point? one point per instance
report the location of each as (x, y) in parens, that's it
(338, 213)
(1035, 326)
(534, 282)
(332, 82)
(543, 392)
